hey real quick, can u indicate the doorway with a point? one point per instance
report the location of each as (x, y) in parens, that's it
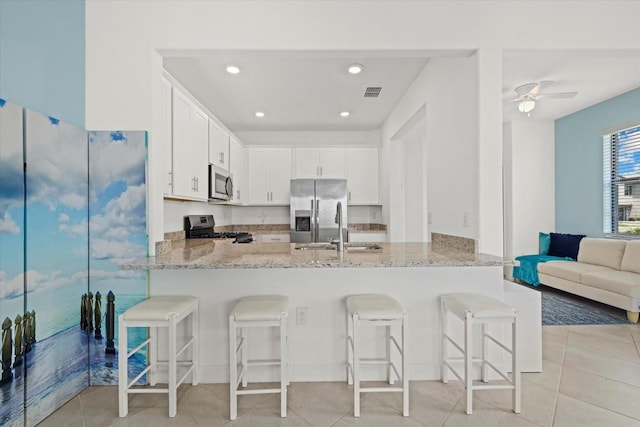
(412, 144)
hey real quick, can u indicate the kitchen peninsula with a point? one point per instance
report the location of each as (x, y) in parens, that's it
(317, 283)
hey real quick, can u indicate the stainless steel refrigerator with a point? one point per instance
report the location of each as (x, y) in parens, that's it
(313, 209)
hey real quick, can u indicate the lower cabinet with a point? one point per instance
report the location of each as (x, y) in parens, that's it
(272, 238)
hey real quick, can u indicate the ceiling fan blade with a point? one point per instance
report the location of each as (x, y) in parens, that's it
(558, 95)
(540, 86)
(525, 89)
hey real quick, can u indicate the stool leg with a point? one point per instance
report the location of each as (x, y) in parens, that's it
(349, 349)
(123, 377)
(173, 365)
(283, 366)
(468, 357)
(356, 367)
(233, 370)
(152, 355)
(485, 355)
(245, 355)
(387, 333)
(444, 370)
(195, 348)
(515, 369)
(405, 375)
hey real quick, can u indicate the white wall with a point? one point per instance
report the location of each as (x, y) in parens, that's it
(124, 66)
(311, 138)
(529, 199)
(448, 89)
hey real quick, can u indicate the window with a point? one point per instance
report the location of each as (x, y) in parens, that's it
(621, 171)
(628, 190)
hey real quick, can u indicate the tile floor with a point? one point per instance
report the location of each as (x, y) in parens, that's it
(591, 378)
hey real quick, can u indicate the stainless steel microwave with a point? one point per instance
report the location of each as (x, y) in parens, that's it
(220, 184)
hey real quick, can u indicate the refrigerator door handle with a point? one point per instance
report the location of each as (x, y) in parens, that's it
(317, 220)
(312, 220)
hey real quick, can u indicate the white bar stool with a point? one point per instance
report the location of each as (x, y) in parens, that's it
(256, 312)
(479, 309)
(376, 310)
(153, 313)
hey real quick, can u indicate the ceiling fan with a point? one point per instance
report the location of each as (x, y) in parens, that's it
(529, 93)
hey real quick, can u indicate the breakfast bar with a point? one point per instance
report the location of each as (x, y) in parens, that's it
(317, 281)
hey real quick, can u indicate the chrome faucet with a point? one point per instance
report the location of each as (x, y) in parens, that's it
(340, 242)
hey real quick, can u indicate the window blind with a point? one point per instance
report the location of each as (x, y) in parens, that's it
(621, 180)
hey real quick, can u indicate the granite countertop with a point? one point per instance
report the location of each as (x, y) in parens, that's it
(213, 254)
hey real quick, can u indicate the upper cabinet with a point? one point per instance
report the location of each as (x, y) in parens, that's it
(363, 176)
(167, 184)
(323, 162)
(190, 146)
(237, 169)
(218, 146)
(269, 173)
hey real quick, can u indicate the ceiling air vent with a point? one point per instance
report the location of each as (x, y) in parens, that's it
(372, 91)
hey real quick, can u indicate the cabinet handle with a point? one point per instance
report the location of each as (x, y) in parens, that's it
(320, 170)
(317, 170)
(238, 194)
(222, 157)
(196, 182)
(349, 195)
(170, 180)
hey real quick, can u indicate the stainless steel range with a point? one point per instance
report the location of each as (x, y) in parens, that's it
(201, 227)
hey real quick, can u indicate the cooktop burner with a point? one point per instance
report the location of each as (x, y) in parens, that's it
(229, 235)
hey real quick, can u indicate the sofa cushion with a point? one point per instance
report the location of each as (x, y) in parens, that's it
(569, 270)
(565, 245)
(631, 258)
(544, 240)
(607, 252)
(619, 282)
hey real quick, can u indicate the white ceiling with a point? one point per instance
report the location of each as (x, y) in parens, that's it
(307, 90)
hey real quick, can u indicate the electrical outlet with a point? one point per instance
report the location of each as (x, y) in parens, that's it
(301, 315)
(429, 218)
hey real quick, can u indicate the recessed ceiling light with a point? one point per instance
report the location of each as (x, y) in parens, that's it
(345, 114)
(232, 69)
(355, 68)
(259, 114)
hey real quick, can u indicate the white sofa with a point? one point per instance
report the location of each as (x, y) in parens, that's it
(607, 270)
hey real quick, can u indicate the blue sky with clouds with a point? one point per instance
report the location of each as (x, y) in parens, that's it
(60, 208)
(629, 152)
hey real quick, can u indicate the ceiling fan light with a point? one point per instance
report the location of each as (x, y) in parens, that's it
(526, 106)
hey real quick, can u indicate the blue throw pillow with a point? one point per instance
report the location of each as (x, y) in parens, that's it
(544, 240)
(565, 245)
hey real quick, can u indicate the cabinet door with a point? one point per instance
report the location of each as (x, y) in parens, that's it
(362, 176)
(183, 178)
(258, 174)
(332, 162)
(165, 138)
(236, 167)
(199, 164)
(218, 146)
(280, 172)
(307, 162)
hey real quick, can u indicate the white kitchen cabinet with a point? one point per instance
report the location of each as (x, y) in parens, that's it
(166, 139)
(368, 236)
(325, 162)
(218, 146)
(272, 238)
(269, 175)
(189, 149)
(362, 176)
(237, 169)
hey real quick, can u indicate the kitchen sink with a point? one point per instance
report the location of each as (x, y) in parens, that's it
(347, 246)
(361, 246)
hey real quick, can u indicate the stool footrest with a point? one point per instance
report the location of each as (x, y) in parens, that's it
(263, 362)
(147, 390)
(259, 391)
(493, 387)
